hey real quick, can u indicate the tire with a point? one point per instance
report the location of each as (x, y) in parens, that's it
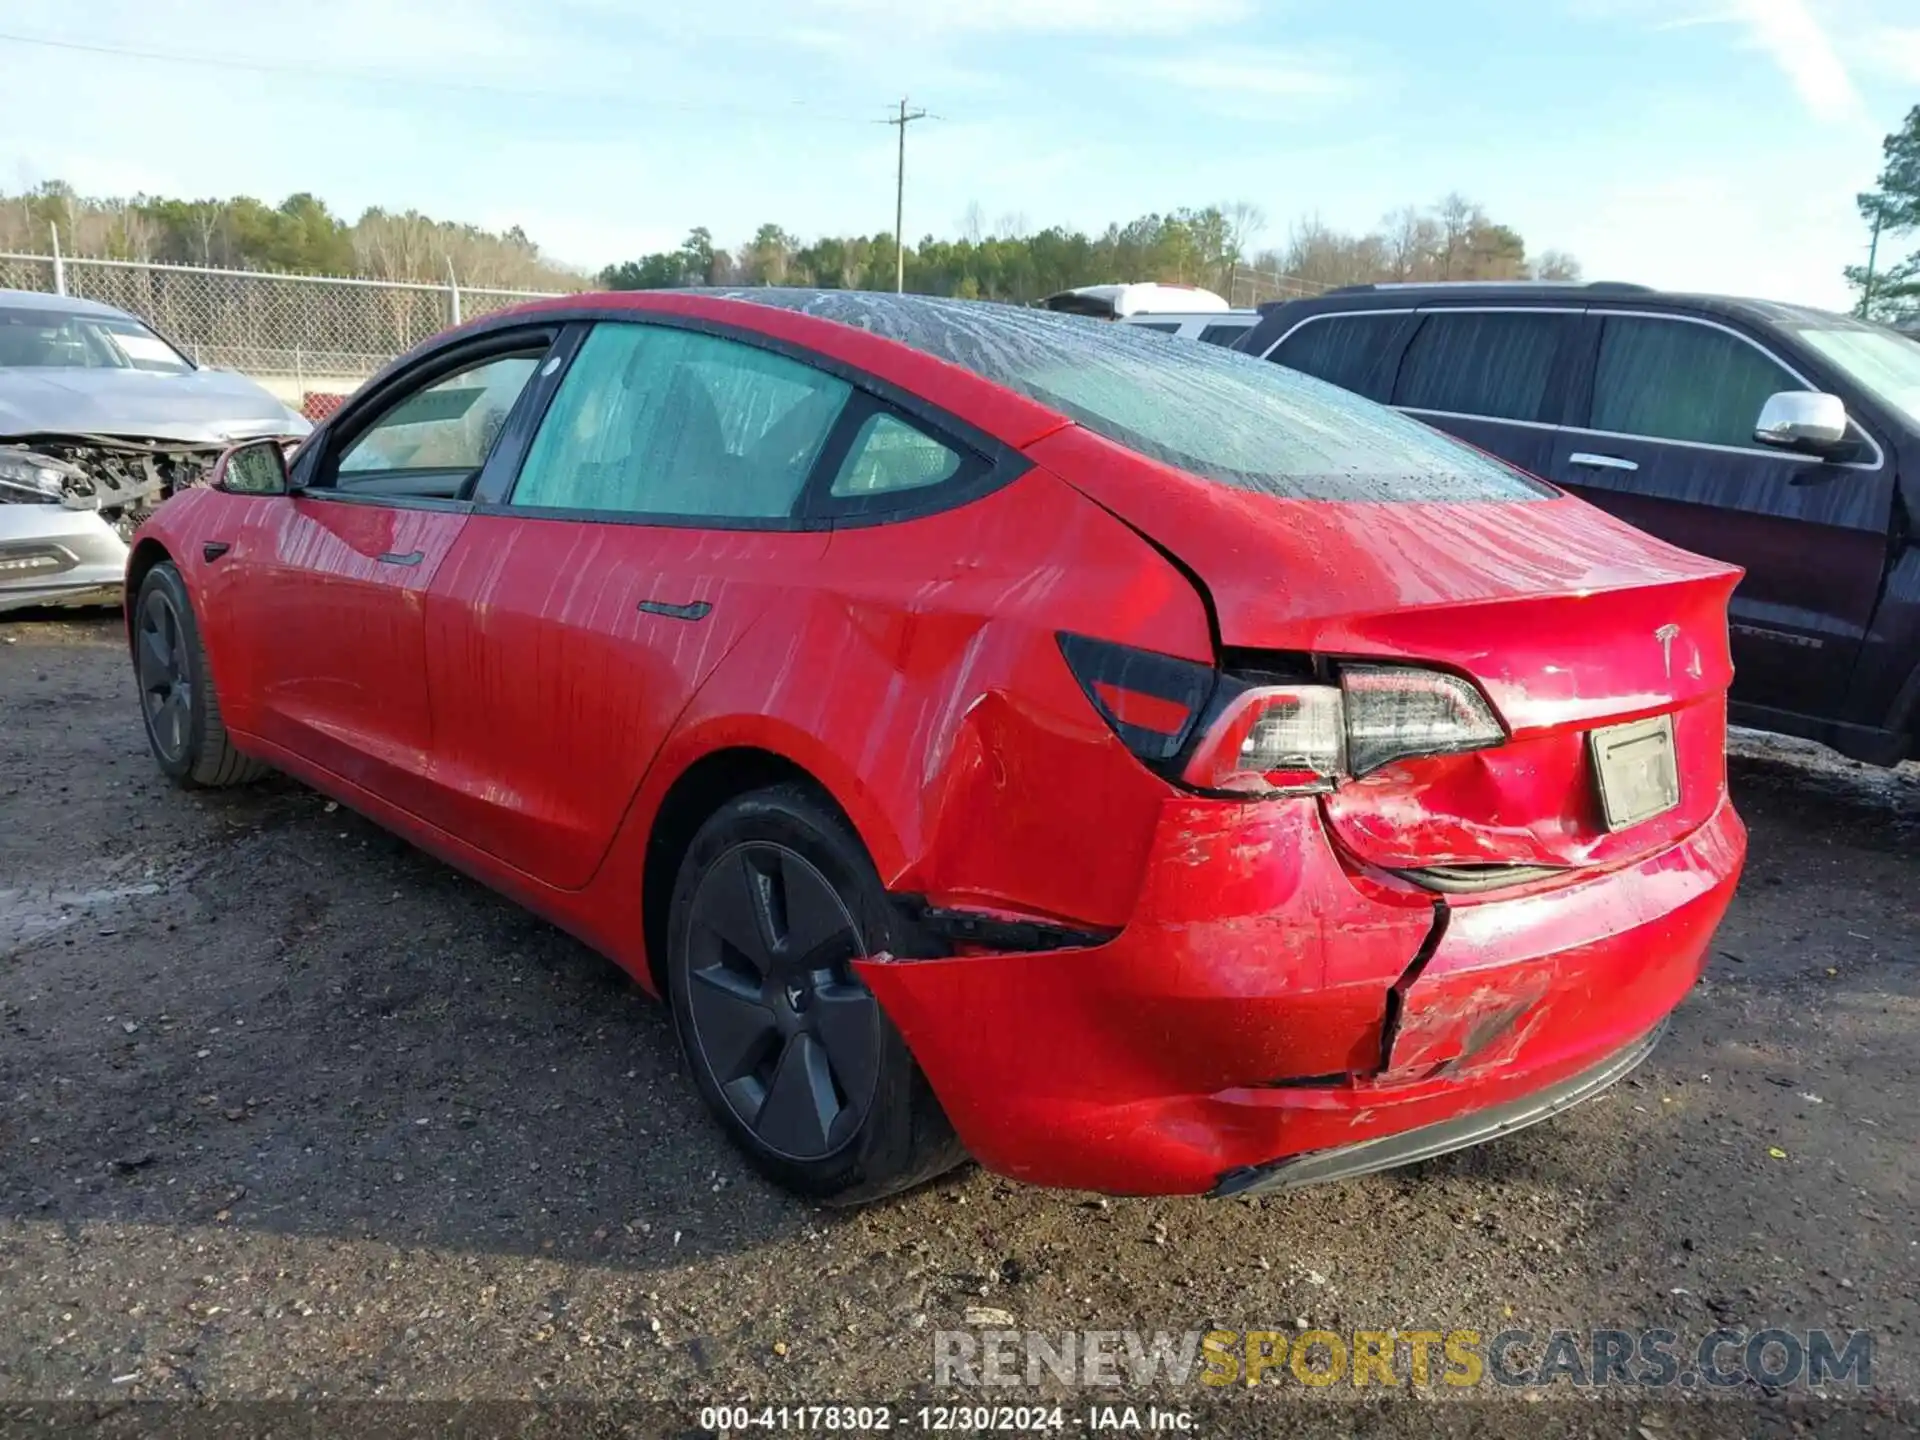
(179, 706)
(790, 1050)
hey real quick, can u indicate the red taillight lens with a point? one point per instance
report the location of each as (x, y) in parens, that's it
(1303, 739)
(1274, 739)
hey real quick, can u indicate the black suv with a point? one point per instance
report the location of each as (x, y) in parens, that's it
(1781, 439)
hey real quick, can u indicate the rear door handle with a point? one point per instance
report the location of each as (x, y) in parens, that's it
(214, 549)
(412, 557)
(1589, 461)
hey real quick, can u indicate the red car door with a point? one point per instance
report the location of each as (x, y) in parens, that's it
(331, 580)
(655, 518)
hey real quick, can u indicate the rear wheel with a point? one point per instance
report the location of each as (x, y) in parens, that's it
(178, 702)
(775, 899)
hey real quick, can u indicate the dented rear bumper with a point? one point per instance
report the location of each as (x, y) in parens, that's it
(1269, 1000)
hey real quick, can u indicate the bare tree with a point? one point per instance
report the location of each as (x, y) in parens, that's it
(973, 224)
(1556, 265)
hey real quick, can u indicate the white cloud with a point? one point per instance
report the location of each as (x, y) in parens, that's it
(1798, 36)
(1789, 32)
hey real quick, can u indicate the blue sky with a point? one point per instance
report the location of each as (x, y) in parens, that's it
(1711, 144)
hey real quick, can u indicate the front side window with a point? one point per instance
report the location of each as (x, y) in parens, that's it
(1885, 364)
(33, 338)
(445, 429)
(658, 421)
(1486, 364)
(1340, 350)
(1674, 380)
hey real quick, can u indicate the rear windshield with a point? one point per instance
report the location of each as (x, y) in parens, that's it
(1215, 413)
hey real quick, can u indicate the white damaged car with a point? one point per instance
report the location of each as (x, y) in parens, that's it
(101, 420)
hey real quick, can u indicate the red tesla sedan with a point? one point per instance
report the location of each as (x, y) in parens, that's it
(1136, 765)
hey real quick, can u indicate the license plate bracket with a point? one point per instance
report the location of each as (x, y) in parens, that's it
(1635, 770)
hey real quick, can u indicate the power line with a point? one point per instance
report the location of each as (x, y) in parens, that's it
(902, 120)
(415, 82)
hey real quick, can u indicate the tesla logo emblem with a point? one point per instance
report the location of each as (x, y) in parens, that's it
(1666, 635)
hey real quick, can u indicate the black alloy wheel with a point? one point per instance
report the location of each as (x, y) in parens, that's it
(179, 703)
(791, 1038)
(166, 676)
(774, 900)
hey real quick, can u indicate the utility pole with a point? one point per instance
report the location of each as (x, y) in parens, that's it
(904, 119)
(1873, 255)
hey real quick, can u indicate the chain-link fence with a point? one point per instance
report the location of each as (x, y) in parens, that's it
(1248, 288)
(295, 333)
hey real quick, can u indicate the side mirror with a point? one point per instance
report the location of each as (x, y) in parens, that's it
(258, 467)
(1804, 420)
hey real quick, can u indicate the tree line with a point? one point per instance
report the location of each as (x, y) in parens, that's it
(300, 234)
(1215, 247)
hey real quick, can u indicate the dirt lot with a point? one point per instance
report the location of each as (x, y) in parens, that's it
(289, 1110)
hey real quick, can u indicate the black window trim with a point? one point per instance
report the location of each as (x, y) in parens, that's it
(987, 463)
(1879, 453)
(405, 379)
(1306, 320)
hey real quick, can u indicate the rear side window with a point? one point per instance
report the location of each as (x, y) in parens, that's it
(658, 421)
(1222, 334)
(1495, 365)
(1674, 380)
(889, 455)
(1162, 327)
(1340, 349)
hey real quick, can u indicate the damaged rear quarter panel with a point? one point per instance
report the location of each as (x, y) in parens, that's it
(946, 723)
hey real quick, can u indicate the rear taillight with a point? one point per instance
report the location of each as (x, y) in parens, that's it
(1397, 712)
(1264, 735)
(1303, 738)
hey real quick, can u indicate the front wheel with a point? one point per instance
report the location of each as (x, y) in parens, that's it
(178, 702)
(774, 900)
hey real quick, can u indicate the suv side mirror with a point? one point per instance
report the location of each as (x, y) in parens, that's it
(1804, 420)
(258, 467)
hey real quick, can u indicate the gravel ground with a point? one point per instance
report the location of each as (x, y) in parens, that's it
(291, 1112)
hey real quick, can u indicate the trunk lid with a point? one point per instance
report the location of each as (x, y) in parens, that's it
(1568, 620)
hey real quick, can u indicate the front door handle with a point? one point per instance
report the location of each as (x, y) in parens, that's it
(1588, 461)
(694, 610)
(412, 557)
